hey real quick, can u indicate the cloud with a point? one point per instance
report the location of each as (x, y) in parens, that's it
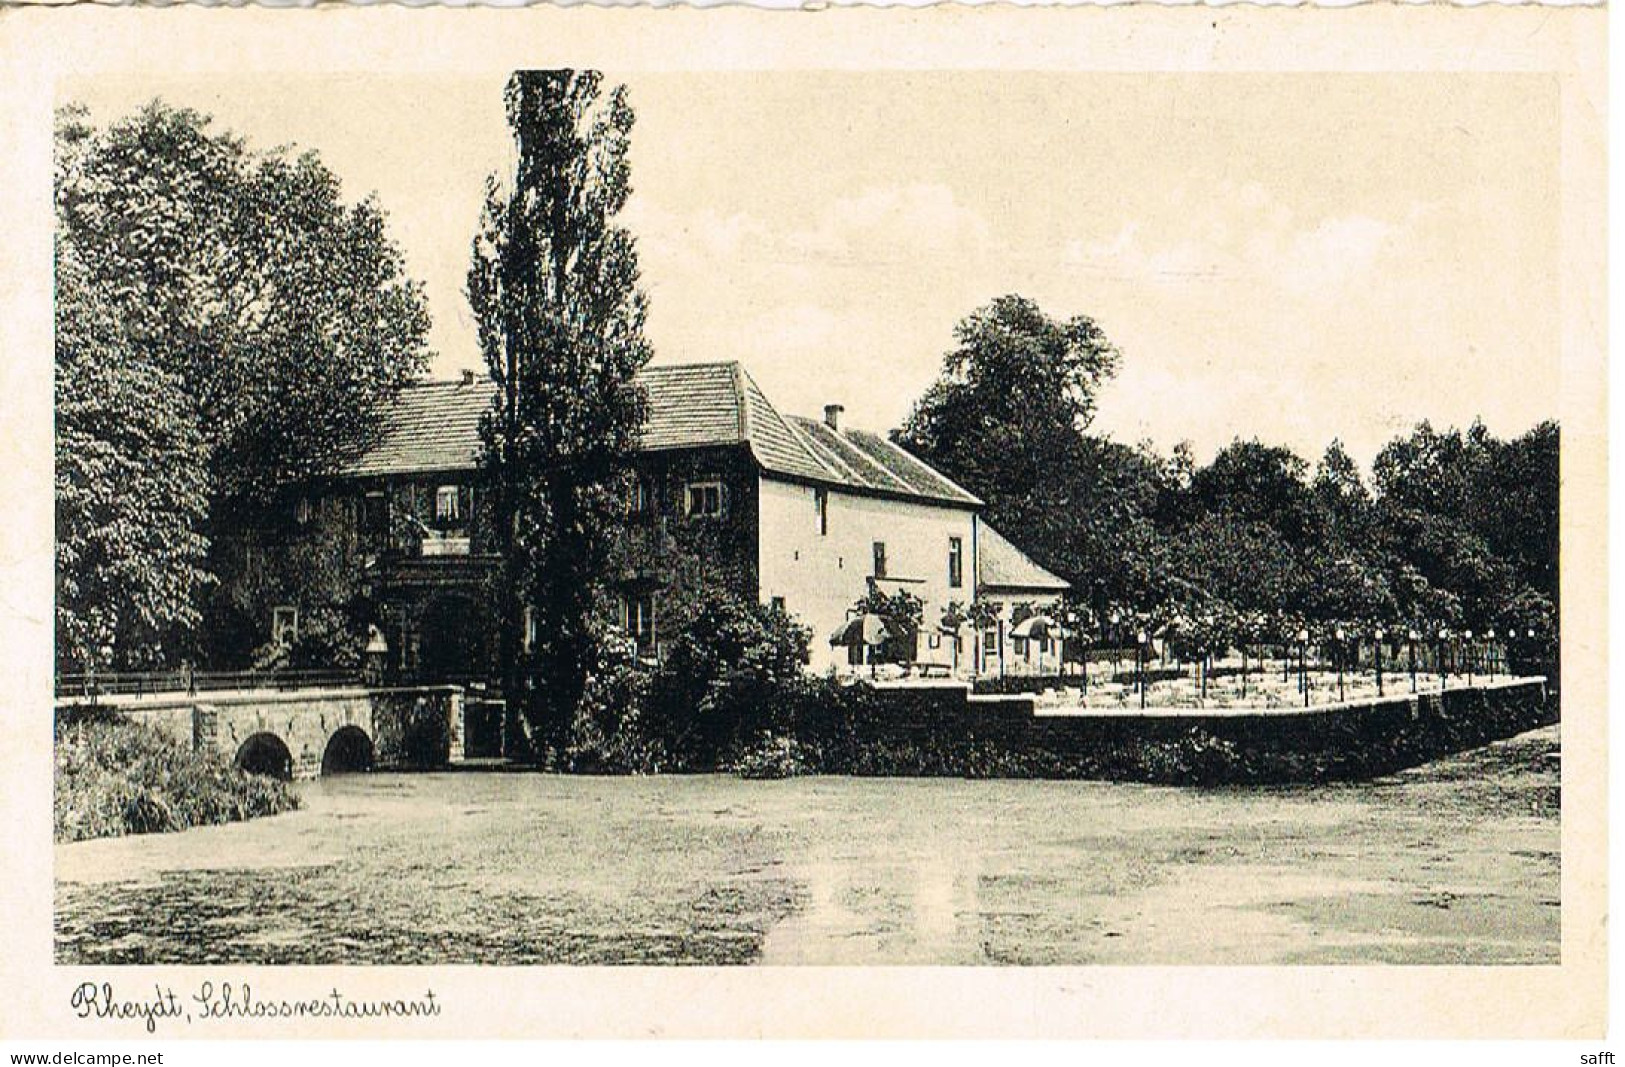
(1240, 234)
(913, 224)
(895, 221)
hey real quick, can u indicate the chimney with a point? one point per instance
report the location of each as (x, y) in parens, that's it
(468, 377)
(832, 416)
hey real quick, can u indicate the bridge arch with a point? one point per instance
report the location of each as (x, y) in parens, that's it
(348, 751)
(266, 753)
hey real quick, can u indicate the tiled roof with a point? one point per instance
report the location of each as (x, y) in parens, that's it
(434, 426)
(431, 426)
(1000, 565)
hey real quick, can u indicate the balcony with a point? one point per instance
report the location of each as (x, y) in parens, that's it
(438, 544)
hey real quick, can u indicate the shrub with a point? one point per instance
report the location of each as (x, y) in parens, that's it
(724, 678)
(116, 777)
(610, 732)
(773, 756)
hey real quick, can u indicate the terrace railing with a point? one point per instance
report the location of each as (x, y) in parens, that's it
(88, 685)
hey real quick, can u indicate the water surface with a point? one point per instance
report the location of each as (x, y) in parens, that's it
(1453, 862)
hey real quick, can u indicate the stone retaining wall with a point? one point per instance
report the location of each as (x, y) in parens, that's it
(1010, 734)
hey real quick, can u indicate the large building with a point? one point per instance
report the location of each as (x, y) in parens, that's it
(807, 514)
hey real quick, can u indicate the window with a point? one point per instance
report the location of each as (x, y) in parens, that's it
(956, 563)
(777, 603)
(448, 505)
(284, 625)
(638, 616)
(821, 510)
(880, 559)
(990, 641)
(638, 502)
(374, 515)
(705, 499)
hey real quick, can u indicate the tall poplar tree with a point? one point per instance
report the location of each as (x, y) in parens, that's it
(554, 288)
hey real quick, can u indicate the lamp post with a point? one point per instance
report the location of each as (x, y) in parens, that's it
(1246, 633)
(1340, 696)
(1444, 673)
(1139, 656)
(1303, 664)
(1489, 650)
(1413, 636)
(1378, 652)
(1467, 652)
(1117, 644)
(1083, 650)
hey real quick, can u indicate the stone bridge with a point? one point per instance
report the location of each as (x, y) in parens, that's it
(304, 733)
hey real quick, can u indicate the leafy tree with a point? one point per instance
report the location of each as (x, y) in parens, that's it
(130, 490)
(1253, 482)
(245, 325)
(554, 288)
(1341, 495)
(282, 313)
(902, 612)
(1247, 565)
(1006, 418)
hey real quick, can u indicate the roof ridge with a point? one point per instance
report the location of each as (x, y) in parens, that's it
(697, 365)
(922, 464)
(869, 461)
(825, 453)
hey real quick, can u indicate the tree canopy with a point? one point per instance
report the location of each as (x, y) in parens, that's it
(281, 312)
(226, 324)
(1449, 529)
(554, 288)
(129, 490)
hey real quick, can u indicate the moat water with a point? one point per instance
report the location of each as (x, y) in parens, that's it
(1452, 862)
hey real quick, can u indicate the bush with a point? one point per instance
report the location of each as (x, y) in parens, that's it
(774, 756)
(116, 777)
(724, 679)
(610, 733)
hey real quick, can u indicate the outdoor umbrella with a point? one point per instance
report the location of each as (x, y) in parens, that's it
(861, 631)
(1038, 628)
(866, 629)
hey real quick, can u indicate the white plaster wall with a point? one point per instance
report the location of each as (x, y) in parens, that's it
(820, 577)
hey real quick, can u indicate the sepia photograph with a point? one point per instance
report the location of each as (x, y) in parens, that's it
(884, 564)
(574, 514)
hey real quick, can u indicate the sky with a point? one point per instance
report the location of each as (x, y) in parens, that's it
(1293, 257)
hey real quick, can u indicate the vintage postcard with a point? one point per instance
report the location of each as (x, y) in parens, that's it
(862, 523)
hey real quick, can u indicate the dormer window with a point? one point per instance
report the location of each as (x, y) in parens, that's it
(704, 499)
(448, 507)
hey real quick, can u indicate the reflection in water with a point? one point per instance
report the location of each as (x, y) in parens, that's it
(1454, 862)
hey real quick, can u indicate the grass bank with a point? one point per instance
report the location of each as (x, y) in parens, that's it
(117, 777)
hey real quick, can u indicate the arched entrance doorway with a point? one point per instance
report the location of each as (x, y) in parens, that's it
(265, 753)
(453, 640)
(349, 751)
